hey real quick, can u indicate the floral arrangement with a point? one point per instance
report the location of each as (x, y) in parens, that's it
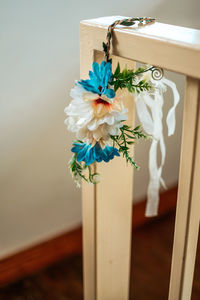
(97, 115)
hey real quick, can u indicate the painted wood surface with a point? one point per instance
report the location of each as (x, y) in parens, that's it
(176, 49)
(114, 215)
(188, 204)
(167, 46)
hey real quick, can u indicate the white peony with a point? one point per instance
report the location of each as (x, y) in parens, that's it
(94, 118)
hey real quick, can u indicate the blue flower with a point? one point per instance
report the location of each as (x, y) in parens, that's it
(99, 78)
(90, 154)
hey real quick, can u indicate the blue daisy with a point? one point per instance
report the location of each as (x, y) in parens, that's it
(99, 78)
(90, 154)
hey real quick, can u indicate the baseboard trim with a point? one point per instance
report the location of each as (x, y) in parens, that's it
(40, 256)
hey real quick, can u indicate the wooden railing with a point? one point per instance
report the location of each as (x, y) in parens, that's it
(107, 206)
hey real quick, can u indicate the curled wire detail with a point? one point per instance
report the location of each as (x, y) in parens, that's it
(157, 73)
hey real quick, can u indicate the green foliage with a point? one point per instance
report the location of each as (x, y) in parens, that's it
(127, 79)
(77, 169)
(109, 35)
(127, 23)
(106, 50)
(126, 138)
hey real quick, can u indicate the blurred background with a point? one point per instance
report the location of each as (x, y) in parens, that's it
(39, 59)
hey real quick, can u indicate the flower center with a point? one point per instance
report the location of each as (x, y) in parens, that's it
(100, 88)
(101, 101)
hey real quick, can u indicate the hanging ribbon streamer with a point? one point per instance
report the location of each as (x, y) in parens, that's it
(152, 124)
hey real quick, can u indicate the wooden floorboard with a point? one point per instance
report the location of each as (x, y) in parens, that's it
(150, 269)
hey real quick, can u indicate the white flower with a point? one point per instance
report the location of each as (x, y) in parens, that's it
(96, 178)
(93, 117)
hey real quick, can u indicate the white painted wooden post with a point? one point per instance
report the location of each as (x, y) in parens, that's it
(107, 217)
(188, 205)
(107, 206)
(114, 217)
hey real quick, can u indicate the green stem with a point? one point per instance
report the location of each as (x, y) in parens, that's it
(90, 173)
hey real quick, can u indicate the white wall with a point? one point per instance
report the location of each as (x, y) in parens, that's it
(39, 59)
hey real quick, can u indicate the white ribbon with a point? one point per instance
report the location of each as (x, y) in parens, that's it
(152, 124)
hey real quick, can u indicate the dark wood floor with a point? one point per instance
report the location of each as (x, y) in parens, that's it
(151, 259)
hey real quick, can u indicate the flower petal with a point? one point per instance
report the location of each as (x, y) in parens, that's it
(95, 68)
(107, 74)
(110, 93)
(89, 157)
(95, 81)
(89, 85)
(102, 68)
(77, 147)
(81, 153)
